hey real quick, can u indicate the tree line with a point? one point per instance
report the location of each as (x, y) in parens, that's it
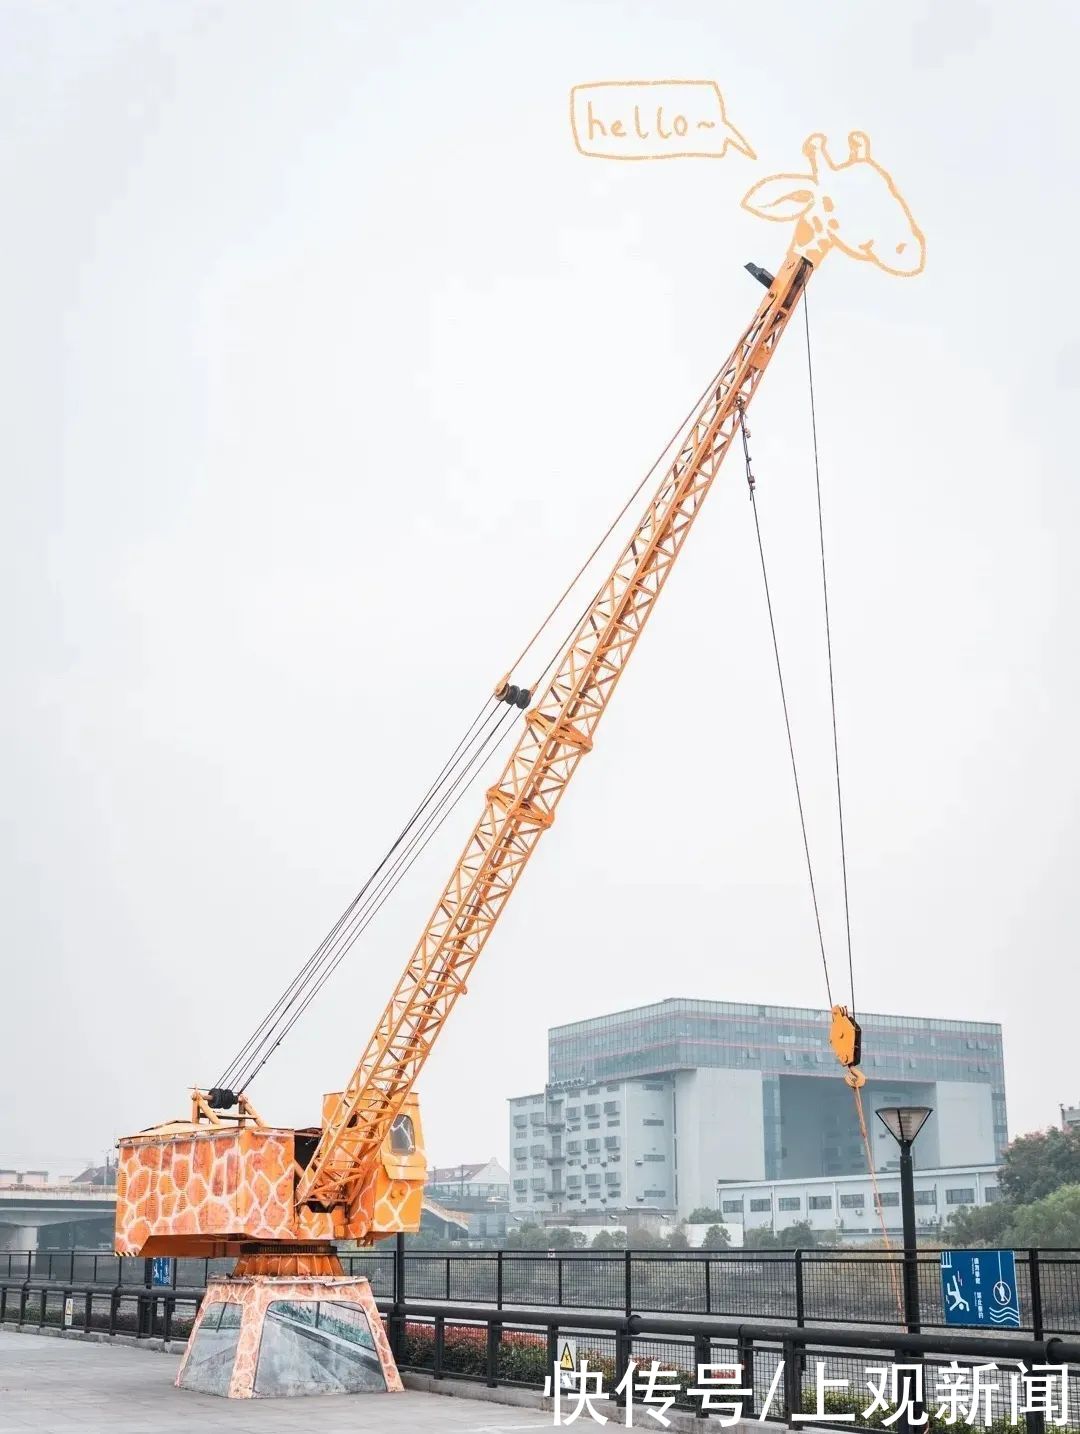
(1039, 1204)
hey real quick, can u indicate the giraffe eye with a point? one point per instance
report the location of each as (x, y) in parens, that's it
(901, 247)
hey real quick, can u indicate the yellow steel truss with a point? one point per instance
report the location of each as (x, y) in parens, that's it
(521, 805)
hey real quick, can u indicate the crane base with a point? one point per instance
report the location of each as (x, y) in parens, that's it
(259, 1336)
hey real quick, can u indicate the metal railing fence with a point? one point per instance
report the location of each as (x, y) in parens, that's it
(778, 1366)
(801, 1286)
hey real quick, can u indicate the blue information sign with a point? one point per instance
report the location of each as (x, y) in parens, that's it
(162, 1274)
(978, 1287)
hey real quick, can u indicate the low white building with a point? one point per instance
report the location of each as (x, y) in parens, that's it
(480, 1193)
(578, 1153)
(842, 1206)
(1070, 1117)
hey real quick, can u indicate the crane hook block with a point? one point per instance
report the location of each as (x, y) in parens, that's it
(845, 1037)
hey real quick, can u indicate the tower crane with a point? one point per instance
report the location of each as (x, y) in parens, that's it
(224, 1181)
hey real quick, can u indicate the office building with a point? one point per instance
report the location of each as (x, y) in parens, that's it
(647, 1109)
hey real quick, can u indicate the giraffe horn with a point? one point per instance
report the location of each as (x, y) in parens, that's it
(815, 151)
(858, 145)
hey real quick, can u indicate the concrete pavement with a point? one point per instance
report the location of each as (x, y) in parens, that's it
(60, 1386)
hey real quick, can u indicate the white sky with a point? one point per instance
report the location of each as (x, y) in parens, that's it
(325, 359)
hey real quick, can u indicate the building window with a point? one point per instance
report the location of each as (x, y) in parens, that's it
(612, 1177)
(655, 1194)
(819, 1202)
(888, 1197)
(960, 1195)
(592, 1144)
(758, 1205)
(852, 1201)
(990, 1193)
(732, 1207)
(925, 1197)
(789, 1202)
(611, 1107)
(654, 1157)
(611, 1141)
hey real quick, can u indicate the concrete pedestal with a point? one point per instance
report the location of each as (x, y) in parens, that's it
(265, 1337)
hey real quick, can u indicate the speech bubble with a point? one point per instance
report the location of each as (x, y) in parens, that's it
(653, 119)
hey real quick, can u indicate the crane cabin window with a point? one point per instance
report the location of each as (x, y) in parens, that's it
(402, 1136)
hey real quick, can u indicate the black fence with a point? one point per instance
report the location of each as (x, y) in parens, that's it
(772, 1372)
(803, 1287)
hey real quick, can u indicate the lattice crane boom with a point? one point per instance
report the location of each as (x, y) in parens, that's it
(521, 805)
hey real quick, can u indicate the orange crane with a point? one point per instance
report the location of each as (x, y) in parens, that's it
(224, 1182)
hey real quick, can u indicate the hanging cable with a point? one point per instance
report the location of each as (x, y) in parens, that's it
(313, 978)
(428, 817)
(362, 918)
(286, 1001)
(856, 1091)
(828, 643)
(783, 698)
(893, 1272)
(324, 959)
(228, 1079)
(709, 387)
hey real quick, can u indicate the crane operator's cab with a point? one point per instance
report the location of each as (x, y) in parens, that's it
(218, 1183)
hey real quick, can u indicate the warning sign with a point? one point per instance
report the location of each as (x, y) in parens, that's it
(568, 1365)
(69, 1312)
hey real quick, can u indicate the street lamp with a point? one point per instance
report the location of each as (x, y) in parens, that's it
(903, 1122)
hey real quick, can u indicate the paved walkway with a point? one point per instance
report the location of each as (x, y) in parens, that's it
(60, 1386)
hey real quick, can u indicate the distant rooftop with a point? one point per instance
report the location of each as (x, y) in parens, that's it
(758, 1011)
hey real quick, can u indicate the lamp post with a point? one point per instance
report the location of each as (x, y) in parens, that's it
(903, 1122)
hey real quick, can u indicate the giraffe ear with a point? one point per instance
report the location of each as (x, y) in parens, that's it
(782, 197)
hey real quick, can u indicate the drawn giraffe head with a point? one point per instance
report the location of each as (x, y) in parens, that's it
(852, 206)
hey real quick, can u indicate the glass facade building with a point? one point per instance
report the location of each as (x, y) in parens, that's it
(740, 1092)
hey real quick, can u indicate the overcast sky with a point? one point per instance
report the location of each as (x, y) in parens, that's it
(327, 357)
